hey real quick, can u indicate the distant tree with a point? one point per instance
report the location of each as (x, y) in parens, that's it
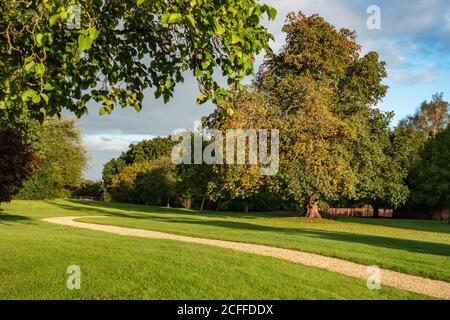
(147, 150)
(143, 151)
(158, 184)
(432, 117)
(110, 169)
(63, 160)
(430, 177)
(123, 184)
(18, 163)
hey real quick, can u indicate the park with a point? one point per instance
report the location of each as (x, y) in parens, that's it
(298, 182)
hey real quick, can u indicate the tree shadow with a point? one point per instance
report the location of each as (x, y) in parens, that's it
(415, 225)
(115, 210)
(7, 219)
(107, 206)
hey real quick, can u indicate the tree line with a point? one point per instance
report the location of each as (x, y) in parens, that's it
(336, 148)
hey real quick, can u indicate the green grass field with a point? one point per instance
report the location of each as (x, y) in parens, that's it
(34, 255)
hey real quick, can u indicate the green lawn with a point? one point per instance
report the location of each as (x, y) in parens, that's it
(34, 255)
(402, 246)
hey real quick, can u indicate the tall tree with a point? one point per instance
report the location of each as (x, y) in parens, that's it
(63, 160)
(49, 60)
(323, 90)
(18, 163)
(432, 117)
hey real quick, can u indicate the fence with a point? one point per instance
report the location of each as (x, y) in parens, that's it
(360, 212)
(87, 198)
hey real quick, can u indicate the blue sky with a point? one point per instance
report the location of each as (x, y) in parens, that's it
(414, 40)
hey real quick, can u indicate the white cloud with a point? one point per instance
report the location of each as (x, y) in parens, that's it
(111, 142)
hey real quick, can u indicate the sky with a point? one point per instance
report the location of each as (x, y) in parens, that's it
(413, 40)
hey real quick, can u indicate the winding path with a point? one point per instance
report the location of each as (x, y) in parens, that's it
(433, 288)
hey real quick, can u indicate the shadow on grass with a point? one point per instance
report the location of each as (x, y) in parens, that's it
(105, 207)
(12, 219)
(418, 225)
(422, 247)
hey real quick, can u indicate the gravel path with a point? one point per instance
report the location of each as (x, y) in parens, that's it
(433, 288)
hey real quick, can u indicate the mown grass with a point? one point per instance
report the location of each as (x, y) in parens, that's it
(414, 247)
(34, 256)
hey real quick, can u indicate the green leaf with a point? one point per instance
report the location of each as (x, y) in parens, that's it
(93, 33)
(236, 39)
(39, 69)
(205, 64)
(45, 97)
(139, 2)
(84, 43)
(48, 87)
(39, 38)
(175, 17)
(272, 13)
(165, 18)
(29, 66)
(103, 111)
(137, 106)
(36, 98)
(220, 29)
(28, 94)
(191, 20)
(53, 19)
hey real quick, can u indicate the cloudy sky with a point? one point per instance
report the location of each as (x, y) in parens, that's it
(414, 40)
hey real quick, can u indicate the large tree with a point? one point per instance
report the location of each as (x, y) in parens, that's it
(63, 160)
(323, 90)
(49, 62)
(18, 163)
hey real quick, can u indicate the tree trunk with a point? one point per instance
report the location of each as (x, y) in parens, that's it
(312, 210)
(202, 206)
(376, 211)
(246, 207)
(168, 203)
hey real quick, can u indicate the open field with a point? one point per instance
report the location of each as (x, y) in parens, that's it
(35, 254)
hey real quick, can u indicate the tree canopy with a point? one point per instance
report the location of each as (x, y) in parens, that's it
(429, 181)
(119, 49)
(323, 91)
(63, 160)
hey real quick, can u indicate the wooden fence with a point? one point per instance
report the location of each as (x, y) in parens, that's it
(359, 212)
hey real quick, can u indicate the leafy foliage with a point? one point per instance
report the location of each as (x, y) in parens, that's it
(63, 160)
(18, 163)
(431, 175)
(150, 182)
(143, 151)
(322, 91)
(120, 49)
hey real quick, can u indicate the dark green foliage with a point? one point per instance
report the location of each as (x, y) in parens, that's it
(430, 177)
